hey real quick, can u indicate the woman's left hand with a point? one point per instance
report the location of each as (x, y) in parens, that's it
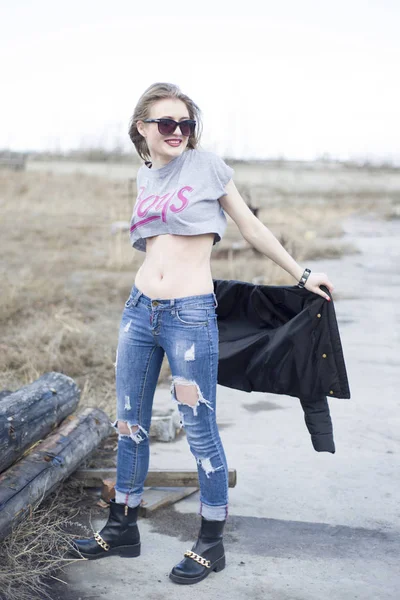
(315, 280)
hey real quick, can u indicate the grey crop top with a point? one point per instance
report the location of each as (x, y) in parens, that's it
(180, 198)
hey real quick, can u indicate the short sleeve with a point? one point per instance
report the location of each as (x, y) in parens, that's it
(223, 173)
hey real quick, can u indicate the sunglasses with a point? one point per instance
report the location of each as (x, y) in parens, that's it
(168, 126)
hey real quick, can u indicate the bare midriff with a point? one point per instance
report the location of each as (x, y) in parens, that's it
(176, 266)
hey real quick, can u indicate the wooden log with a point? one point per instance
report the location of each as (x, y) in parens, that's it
(30, 413)
(155, 478)
(52, 460)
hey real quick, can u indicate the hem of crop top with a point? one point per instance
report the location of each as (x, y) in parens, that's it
(140, 244)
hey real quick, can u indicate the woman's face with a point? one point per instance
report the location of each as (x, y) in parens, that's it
(164, 148)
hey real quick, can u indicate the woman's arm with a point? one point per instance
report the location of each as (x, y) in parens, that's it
(261, 238)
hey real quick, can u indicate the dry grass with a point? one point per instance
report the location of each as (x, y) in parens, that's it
(65, 279)
(34, 555)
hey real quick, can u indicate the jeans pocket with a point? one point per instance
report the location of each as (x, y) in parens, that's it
(195, 317)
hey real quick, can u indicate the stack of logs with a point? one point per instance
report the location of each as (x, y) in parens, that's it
(42, 442)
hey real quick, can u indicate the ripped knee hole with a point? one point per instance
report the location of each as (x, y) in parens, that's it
(123, 427)
(186, 394)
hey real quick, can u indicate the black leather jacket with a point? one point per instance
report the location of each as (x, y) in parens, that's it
(284, 340)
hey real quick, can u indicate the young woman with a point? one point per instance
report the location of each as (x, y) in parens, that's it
(183, 194)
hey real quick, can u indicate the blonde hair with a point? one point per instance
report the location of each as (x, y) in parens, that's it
(159, 91)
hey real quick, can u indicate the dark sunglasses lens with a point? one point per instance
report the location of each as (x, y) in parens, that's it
(187, 127)
(166, 126)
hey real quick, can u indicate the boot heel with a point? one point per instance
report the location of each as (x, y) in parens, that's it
(129, 551)
(220, 564)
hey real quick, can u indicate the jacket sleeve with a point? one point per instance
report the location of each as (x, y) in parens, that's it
(319, 423)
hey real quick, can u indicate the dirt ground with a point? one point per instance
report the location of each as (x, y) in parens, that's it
(65, 276)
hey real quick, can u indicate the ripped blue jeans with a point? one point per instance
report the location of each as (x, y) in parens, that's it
(186, 330)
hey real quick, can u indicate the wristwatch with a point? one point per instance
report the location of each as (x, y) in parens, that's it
(304, 277)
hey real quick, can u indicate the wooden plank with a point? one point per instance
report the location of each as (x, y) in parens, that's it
(156, 477)
(158, 497)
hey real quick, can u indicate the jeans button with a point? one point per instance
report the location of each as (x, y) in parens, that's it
(154, 303)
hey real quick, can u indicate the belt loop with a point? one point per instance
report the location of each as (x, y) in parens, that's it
(216, 301)
(136, 298)
(172, 305)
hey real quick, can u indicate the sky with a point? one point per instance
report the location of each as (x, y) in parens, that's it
(273, 79)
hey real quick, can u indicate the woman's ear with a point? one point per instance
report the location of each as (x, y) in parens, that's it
(141, 129)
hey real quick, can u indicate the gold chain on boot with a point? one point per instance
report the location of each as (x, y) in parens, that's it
(100, 541)
(198, 558)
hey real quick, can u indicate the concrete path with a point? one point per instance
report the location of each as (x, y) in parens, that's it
(302, 525)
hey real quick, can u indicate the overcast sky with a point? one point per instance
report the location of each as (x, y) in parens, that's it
(286, 78)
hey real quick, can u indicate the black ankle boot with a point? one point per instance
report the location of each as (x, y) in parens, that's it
(207, 554)
(120, 535)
